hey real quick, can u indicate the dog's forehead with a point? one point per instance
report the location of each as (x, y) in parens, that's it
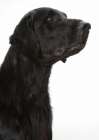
(42, 12)
(38, 15)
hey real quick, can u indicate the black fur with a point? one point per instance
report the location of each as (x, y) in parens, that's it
(43, 37)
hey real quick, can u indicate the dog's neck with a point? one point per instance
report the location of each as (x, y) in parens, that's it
(24, 72)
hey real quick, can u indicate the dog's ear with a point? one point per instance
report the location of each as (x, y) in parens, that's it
(24, 37)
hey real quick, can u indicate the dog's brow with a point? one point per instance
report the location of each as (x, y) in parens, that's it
(51, 13)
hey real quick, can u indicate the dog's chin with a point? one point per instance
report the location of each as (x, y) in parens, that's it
(67, 53)
(62, 53)
(74, 49)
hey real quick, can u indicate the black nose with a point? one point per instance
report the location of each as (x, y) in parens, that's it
(84, 25)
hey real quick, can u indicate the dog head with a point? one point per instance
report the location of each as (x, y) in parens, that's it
(49, 36)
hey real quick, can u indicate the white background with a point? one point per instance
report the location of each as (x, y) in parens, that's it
(74, 86)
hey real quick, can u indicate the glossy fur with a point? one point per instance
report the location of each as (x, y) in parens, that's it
(43, 37)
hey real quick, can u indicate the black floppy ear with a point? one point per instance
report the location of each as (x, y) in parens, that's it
(24, 36)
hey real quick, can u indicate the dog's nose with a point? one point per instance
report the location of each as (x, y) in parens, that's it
(84, 25)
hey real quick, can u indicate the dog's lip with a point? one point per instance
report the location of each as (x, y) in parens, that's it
(78, 46)
(81, 43)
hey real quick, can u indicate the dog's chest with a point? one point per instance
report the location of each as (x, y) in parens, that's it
(37, 124)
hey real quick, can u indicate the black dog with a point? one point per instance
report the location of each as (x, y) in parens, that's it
(43, 37)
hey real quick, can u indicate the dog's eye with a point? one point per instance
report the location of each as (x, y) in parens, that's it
(51, 19)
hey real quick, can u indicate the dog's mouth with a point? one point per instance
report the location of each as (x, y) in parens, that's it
(78, 46)
(74, 49)
(62, 53)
